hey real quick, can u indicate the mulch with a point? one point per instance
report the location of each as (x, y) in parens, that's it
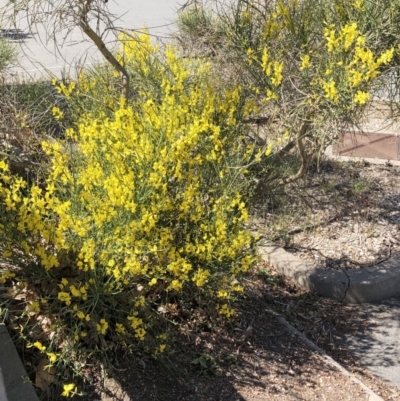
(253, 357)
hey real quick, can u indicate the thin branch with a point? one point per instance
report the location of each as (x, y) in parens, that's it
(97, 40)
(279, 159)
(304, 158)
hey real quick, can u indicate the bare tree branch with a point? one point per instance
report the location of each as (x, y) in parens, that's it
(304, 157)
(62, 16)
(107, 54)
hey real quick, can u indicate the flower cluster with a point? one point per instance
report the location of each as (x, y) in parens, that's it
(352, 65)
(305, 61)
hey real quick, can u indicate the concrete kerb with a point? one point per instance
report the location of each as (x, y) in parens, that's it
(368, 284)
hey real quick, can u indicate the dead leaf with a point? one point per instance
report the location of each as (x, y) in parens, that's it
(44, 374)
(162, 309)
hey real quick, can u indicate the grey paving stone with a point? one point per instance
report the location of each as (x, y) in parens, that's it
(378, 346)
(17, 384)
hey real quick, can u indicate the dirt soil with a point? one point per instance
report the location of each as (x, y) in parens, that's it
(254, 357)
(342, 216)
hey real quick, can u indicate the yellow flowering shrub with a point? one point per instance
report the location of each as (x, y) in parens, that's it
(141, 201)
(309, 67)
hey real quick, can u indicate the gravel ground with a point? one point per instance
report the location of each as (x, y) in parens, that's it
(347, 215)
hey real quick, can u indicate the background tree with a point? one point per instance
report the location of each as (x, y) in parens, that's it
(310, 67)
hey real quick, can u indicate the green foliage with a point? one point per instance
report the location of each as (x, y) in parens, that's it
(196, 21)
(25, 119)
(206, 365)
(7, 54)
(35, 99)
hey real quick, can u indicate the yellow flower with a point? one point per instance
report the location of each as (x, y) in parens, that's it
(348, 34)
(64, 297)
(102, 326)
(74, 291)
(269, 149)
(305, 62)
(63, 283)
(153, 281)
(361, 97)
(200, 278)
(359, 4)
(277, 78)
(140, 333)
(271, 95)
(225, 310)
(330, 91)
(331, 41)
(69, 390)
(360, 41)
(34, 307)
(120, 329)
(175, 285)
(39, 346)
(250, 55)
(57, 113)
(141, 301)
(52, 356)
(135, 322)
(3, 165)
(355, 77)
(264, 60)
(386, 57)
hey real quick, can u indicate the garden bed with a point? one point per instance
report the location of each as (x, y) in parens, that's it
(255, 357)
(341, 216)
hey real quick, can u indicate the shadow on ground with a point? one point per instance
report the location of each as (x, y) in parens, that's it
(254, 358)
(15, 35)
(377, 346)
(330, 193)
(357, 336)
(341, 216)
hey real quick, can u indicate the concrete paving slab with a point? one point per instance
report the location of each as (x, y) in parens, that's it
(378, 347)
(368, 145)
(17, 384)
